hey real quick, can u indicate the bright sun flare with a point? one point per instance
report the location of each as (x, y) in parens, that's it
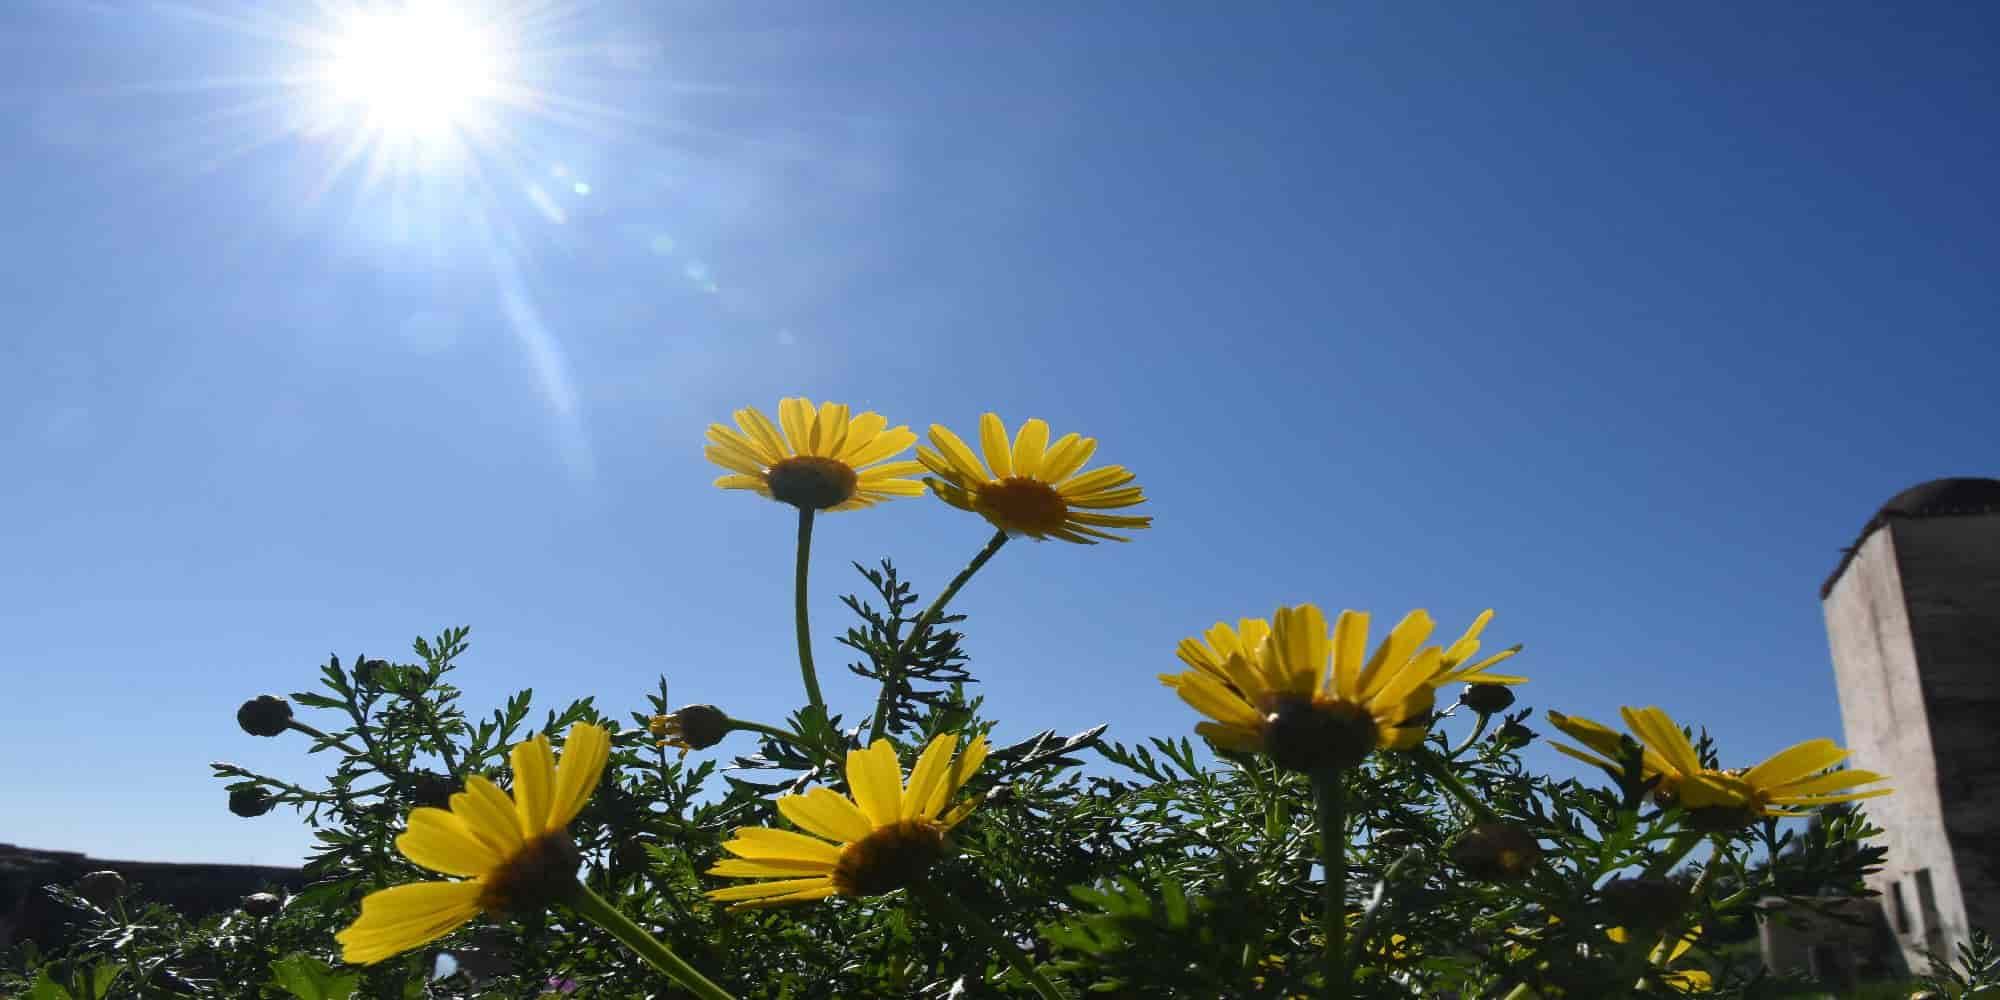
(416, 72)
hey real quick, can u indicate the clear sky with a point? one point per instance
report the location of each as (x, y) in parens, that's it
(1618, 319)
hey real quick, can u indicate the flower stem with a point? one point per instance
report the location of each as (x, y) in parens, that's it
(1330, 794)
(893, 677)
(813, 697)
(1455, 786)
(1478, 730)
(783, 735)
(593, 908)
(945, 905)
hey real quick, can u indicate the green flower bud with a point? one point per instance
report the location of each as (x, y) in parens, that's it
(1496, 852)
(1514, 735)
(250, 802)
(265, 715)
(1487, 699)
(102, 888)
(693, 727)
(431, 789)
(262, 904)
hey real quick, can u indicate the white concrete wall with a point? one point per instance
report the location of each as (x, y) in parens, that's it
(1888, 729)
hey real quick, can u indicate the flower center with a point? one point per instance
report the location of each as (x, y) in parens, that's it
(1022, 506)
(1720, 803)
(890, 858)
(811, 482)
(1301, 734)
(542, 872)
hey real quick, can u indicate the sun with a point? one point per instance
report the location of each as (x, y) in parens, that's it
(416, 72)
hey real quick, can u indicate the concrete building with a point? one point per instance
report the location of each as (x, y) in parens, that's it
(1913, 617)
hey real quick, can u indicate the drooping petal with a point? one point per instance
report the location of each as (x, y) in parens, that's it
(439, 841)
(1231, 737)
(400, 918)
(826, 813)
(1823, 783)
(788, 899)
(769, 868)
(1095, 481)
(585, 752)
(1206, 695)
(534, 783)
(758, 890)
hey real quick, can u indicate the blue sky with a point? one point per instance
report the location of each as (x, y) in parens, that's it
(1620, 321)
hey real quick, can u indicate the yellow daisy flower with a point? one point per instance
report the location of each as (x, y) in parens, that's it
(1452, 669)
(883, 838)
(514, 852)
(1208, 651)
(1314, 701)
(1031, 487)
(1796, 776)
(824, 460)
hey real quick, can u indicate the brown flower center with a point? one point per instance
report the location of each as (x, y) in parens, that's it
(1301, 734)
(1018, 504)
(812, 483)
(891, 858)
(542, 872)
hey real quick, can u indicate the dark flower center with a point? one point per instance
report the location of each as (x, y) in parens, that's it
(812, 483)
(891, 858)
(1301, 734)
(541, 873)
(1018, 504)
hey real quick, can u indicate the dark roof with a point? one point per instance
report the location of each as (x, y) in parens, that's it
(1938, 498)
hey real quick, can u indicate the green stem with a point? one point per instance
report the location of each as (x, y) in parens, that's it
(1330, 794)
(1478, 730)
(1683, 842)
(893, 677)
(813, 696)
(1455, 786)
(945, 905)
(782, 735)
(592, 907)
(332, 741)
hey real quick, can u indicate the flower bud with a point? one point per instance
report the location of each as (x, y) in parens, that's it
(262, 904)
(693, 727)
(1514, 735)
(370, 673)
(250, 802)
(102, 888)
(1487, 699)
(1496, 852)
(428, 788)
(1644, 904)
(265, 715)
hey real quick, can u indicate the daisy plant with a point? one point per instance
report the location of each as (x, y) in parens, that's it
(512, 855)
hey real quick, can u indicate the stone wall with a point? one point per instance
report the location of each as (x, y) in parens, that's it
(28, 913)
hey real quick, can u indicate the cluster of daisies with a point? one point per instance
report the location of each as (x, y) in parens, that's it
(1311, 696)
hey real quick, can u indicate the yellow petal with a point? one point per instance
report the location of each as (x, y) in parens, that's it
(1658, 731)
(1823, 783)
(1402, 643)
(877, 782)
(585, 752)
(830, 429)
(795, 416)
(1350, 652)
(534, 783)
(993, 443)
(1107, 499)
(765, 842)
(884, 445)
(962, 462)
(489, 815)
(1095, 481)
(1588, 758)
(1795, 762)
(1066, 456)
(769, 868)
(962, 768)
(403, 917)
(1029, 445)
(1207, 695)
(757, 427)
(862, 431)
(439, 841)
(1231, 737)
(826, 813)
(888, 471)
(733, 462)
(1468, 643)
(757, 890)
(788, 899)
(928, 774)
(1397, 683)
(735, 481)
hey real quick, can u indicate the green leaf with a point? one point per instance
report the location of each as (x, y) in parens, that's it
(46, 988)
(308, 978)
(102, 975)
